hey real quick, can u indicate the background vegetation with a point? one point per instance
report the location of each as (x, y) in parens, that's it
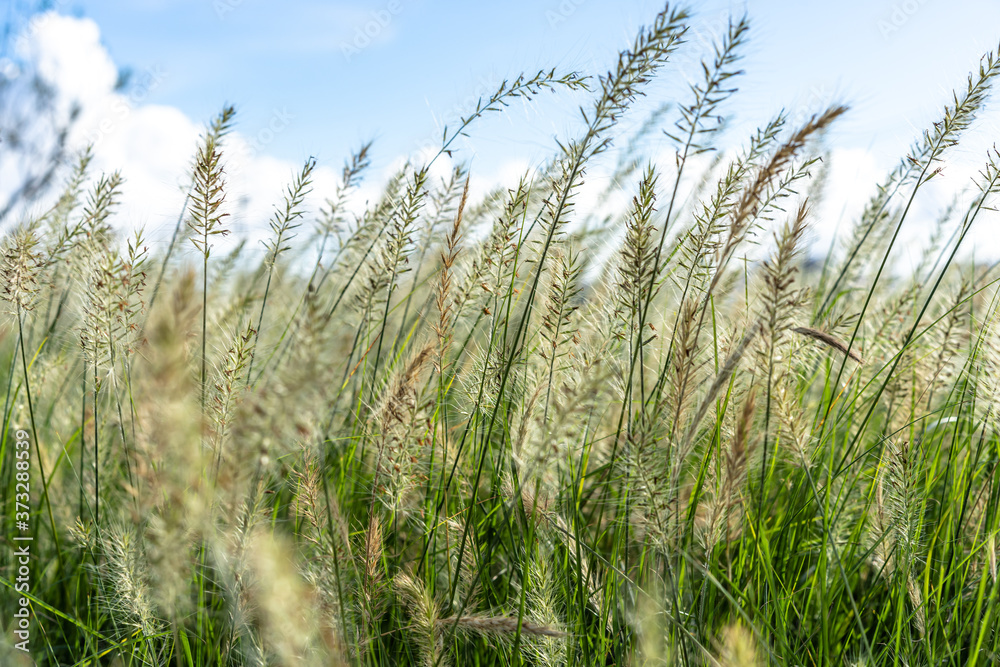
(458, 432)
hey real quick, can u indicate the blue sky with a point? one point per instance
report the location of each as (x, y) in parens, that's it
(318, 78)
(894, 62)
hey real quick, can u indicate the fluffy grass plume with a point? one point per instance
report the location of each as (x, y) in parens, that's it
(508, 429)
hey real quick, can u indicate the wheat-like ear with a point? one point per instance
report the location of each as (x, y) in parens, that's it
(779, 304)
(738, 648)
(371, 600)
(725, 373)
(548, 649)
(20, 270)
(738, 458)
(698, 244)
(684, 365)
(756, 200)
(127, 576)
(693, 134)
(283, 225)
(396, 461)
(228, 387)
(692, 129)
(330, 565)
(100, 205)
(918, 167)
(957, 118)
(445, 301)
(896, 524)
(830, 341)
(171, 503)
(233, 542)
(285, 220)
(393, 259)
(501, 628)
(391, 262)
(423, 613)
(206, 215)
(285, 613)
(636, 66)
(637, 269)
(779, 299)
(331, 219)
(559, 329)
(494, 262)
(62, 236)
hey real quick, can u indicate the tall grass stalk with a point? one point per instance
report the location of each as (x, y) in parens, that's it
(514, 428)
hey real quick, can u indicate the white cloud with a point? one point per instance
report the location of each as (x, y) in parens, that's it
(151, 145)
(852, 177)
(67, 53)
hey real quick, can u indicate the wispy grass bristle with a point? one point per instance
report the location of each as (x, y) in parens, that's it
(531, 426)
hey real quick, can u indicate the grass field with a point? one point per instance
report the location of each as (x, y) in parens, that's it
(455, 431)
